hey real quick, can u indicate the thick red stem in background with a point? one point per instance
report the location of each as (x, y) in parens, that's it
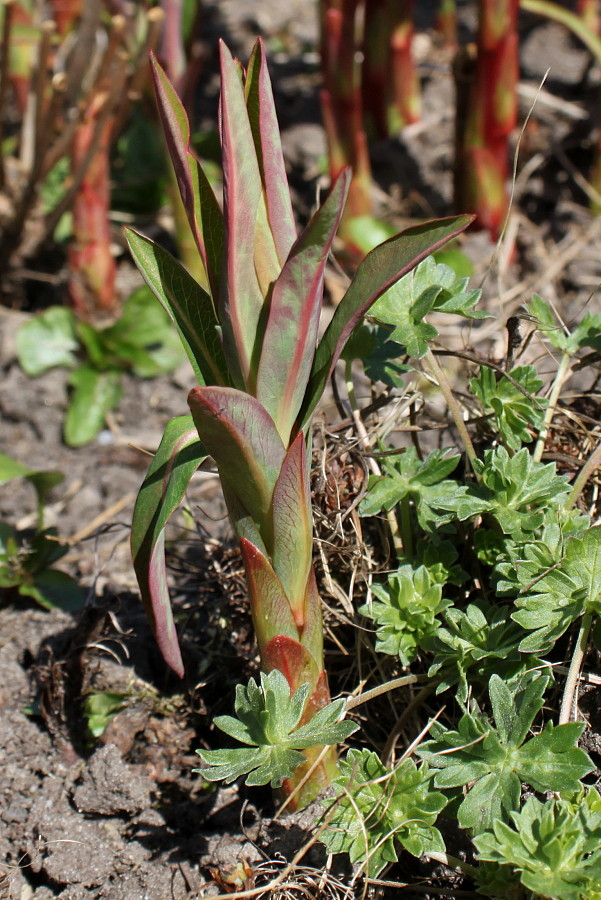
(341, 102)
(483, 157)
(390, 86)
(92, 265)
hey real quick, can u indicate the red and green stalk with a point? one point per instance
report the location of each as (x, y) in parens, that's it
(251, 333)
(483, 156)
(91, 263)
(341, 102)
(390, 86)
(446, 22)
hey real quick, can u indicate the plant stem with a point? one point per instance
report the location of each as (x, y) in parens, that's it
(562, 374)
(453, 863)
(575, 23)
(445, 387)
(585, 473)
(364, 443)
(380, 689)
(573, 675)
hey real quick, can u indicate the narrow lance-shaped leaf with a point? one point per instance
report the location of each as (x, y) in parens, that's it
(179, 455)
(243, 440)
(200, 203)
(379, 270)
(241, 300)
(271, 611)
(264, 125)
(292, 527)
(291, 331)
(188, 305)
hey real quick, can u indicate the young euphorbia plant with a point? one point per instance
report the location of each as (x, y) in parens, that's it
(251, 333)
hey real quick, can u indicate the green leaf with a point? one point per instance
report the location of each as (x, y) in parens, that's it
(143, 337)
(99, 708)
(94, 394)
(249, 249)
(437, 500)
(47, 340)
(379, 355)
(187, 304)
(379, 271)
(42, 481)
(513, 410)
(179, 455)
(518, 489)
(264, 125)
(494, 760)
(406, 613)
(586, 334)
(566, 592)
(430, 286)
(267, 719)
(54, 589)
(377, 807)
(474, 643)
(554, 846)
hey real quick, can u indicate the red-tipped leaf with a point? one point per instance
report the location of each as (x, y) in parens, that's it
(179, 455)
(291, 332)
(293, 527)
(379, 270)
(241, 299)
(200, 203)
(271, 611)
(242, 439)
(266, 133)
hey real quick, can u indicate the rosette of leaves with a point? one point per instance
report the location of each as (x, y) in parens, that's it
(405, 611)
(378, 807)
(518, 490)
(475, 643)
(554, 847)
(510, 400)
(437, 500)
(430, 287)
(267, 721)
(494, 759)
(565, 593)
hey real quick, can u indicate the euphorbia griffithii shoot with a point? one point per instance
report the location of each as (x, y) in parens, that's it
(251, 333)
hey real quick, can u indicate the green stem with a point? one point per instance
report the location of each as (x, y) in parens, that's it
(585, 473)
(365, 444)
(567, 703)
(445, 387)
(560, 378)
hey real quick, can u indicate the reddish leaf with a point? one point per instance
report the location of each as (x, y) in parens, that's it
(264, 125)
(177, 458)
(242, 439)
(379, 270)
(270, 608)
(241, 300)
(202, 209)
(291, 331)
(293, 527)
(293, 660)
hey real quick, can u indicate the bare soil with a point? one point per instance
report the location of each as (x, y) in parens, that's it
(123, 817)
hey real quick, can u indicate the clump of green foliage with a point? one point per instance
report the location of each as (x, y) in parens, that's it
(494, 565)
